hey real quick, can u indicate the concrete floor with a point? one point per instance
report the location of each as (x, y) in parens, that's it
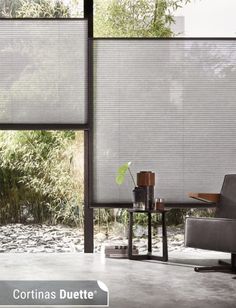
(133, 284)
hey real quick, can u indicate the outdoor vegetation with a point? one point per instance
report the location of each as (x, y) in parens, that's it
(41, 177)
(40, 8)
(41, 172)
(135, 18)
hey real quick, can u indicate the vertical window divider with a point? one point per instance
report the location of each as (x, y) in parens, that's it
(88, 138)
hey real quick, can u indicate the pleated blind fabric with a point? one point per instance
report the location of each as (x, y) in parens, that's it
(168, 106)
(43, 71)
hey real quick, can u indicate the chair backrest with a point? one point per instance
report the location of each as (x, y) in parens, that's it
(227, 204)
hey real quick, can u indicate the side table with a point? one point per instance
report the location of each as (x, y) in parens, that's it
(149, 255)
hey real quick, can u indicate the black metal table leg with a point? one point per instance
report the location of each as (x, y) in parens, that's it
(149, 233)
(130, 245)
(149, 255)
(164, 238)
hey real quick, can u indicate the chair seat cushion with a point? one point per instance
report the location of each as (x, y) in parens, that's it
(211, 233)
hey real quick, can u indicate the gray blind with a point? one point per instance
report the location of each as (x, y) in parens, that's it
(43, 71)
(168, 106)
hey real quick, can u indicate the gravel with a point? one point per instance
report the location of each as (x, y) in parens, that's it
(20, 238)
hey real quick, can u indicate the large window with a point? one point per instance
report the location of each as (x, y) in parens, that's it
(168, 106)
(44, 85)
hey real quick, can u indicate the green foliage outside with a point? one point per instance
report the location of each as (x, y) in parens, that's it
(39, 8)
(135, 18)
(41, 176)
(42, 8)
(8, 8)
(41, 173)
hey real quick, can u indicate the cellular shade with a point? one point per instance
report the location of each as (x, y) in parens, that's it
(43, 71)
(169, 106)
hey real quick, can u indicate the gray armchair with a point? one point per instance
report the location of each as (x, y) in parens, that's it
(218, 233)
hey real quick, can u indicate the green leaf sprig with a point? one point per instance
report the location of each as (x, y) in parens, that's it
(121, 173)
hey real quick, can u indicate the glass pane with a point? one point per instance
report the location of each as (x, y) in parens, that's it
(167, 106)
(41, 8)
(208, 18)
(43, 71)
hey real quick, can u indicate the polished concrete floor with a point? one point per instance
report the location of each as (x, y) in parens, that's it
(133, 284)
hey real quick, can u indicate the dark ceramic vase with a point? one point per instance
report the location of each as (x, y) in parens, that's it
(139, 198)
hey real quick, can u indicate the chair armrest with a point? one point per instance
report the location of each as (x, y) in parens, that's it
(206, 197)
